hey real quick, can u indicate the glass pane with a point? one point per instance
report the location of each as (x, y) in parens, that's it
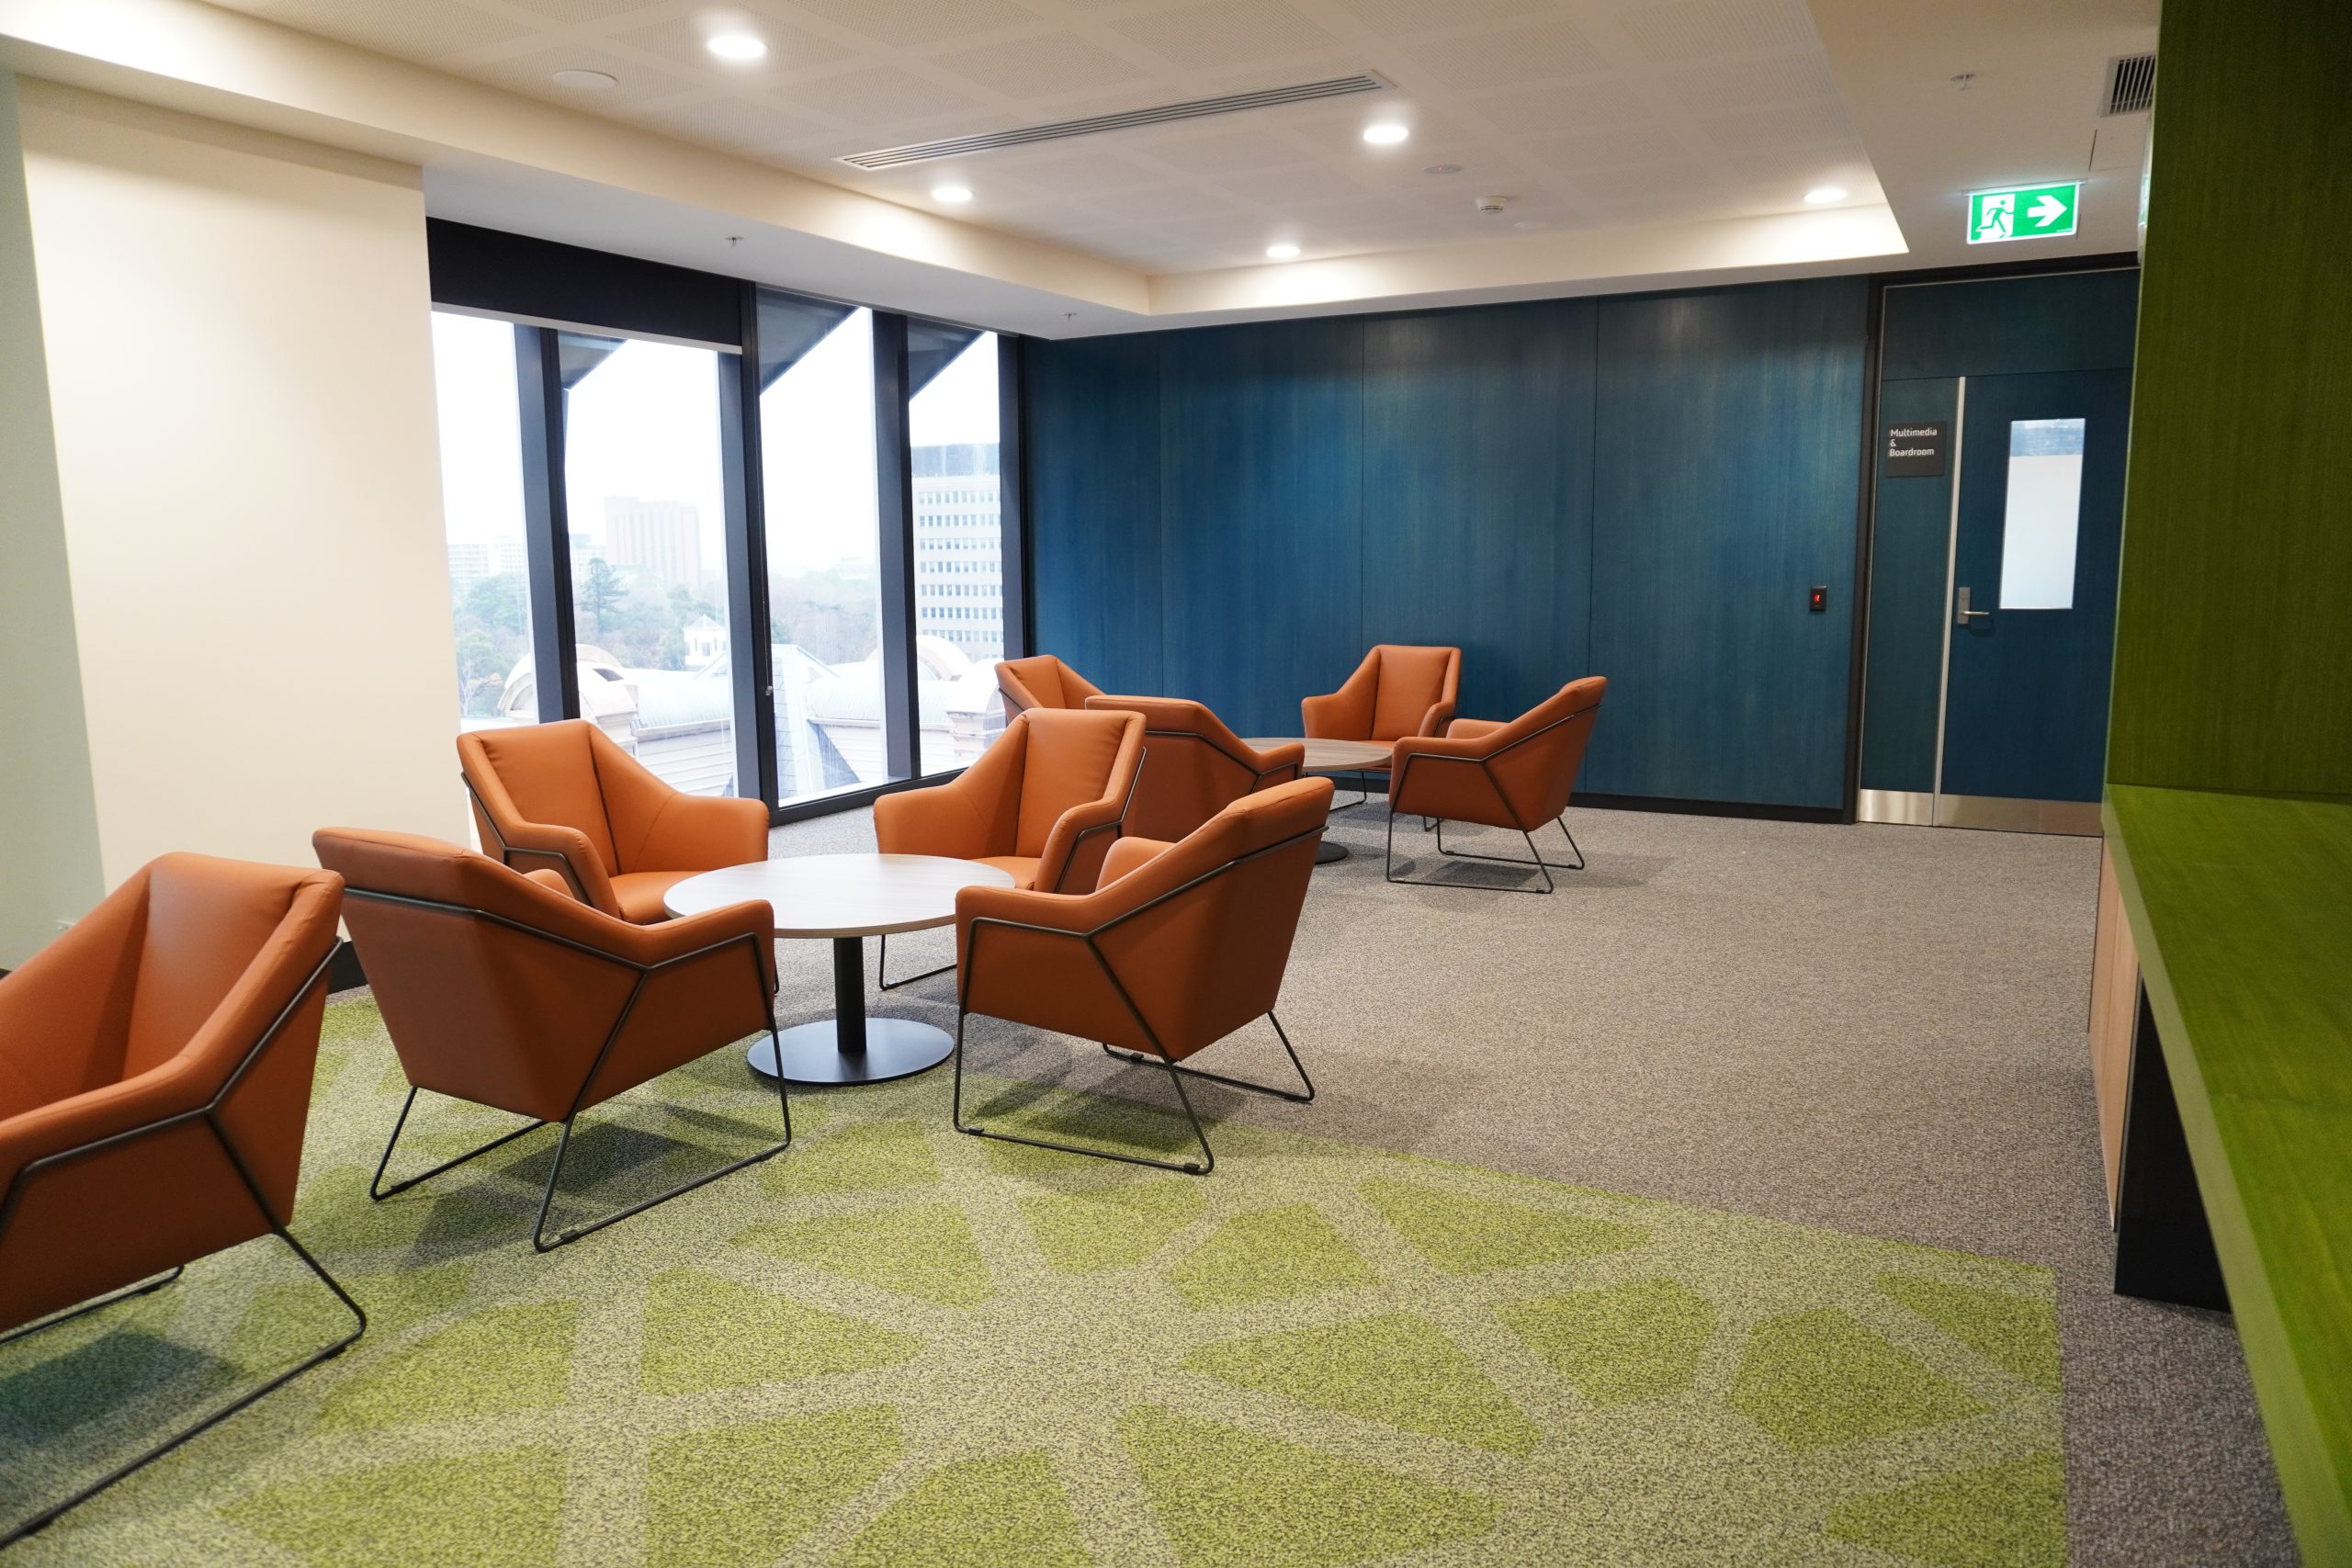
(2045, 507)
(959, 521)
(482, 501)
(823, 544)
(645, 492)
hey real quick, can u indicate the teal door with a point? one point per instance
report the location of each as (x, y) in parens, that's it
(2037, 538)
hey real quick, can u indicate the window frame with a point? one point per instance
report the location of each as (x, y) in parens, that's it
(542, 287)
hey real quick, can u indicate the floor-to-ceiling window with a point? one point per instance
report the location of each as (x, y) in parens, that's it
(954, 451)
(644, 497)
(481, 507)
(765, 542)
(824, 546)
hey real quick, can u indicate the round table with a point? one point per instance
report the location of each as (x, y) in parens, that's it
(1327, 756)
(846, 899)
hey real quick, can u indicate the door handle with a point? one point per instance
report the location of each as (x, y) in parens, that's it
(1962, 614)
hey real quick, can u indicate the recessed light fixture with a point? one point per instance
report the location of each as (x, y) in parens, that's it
(1387, 133)
(1283, 251)
(585, 81)
(1443, 169)
(1822, 195)
(956, 194)
(737, 47)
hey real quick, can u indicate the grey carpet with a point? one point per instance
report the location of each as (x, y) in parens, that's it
(1877, 1029)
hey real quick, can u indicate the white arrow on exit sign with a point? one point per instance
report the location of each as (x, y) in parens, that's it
(2046, 210)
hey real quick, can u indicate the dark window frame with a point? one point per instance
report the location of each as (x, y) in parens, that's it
(541, 287)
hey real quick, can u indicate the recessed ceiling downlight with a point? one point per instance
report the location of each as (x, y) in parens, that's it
(585, 81)
(1823, 196)
(951, 194)
(1387, 133)
(1283, 251)
(737, 46)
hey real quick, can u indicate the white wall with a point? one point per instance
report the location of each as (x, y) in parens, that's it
(51, 870)
(239, 366)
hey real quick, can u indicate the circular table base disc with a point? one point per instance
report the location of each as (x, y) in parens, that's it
(894, 1048)
(1328, 852)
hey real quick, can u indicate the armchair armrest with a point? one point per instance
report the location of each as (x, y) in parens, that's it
(1470, 728)
(1346, 713)
(565, 850)
(704, 832)
(1279, 764)
(944, 819)
(1127, 855)
(676, 939)
(1070, 831)
(1436, 721)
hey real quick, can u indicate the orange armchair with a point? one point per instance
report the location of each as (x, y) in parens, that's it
(551, 795)
(1044, 803)
(1181, 946)
(154, 1083)
(1398, 690)
(1042, 682)
(500, 990)
(1516, 775)
(1193, 765)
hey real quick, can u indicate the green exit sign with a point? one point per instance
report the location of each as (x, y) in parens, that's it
(2023, 212)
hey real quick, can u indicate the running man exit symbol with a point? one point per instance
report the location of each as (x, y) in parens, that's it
(2023, 212)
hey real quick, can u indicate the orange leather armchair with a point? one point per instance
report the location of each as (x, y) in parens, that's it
(1193, 765)
(1179, 946)
(1044, 803)
(1042, 682)
(1397, 690)
(1516, 775)
(564, 796)
(499, 989)
(154, 1083)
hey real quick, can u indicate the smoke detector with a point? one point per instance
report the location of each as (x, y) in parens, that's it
(1491, 203)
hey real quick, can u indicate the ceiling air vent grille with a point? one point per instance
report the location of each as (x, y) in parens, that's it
(1164, 114)
(2131, 84)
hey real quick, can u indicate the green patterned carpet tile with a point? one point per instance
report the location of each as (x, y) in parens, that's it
(894, 1345)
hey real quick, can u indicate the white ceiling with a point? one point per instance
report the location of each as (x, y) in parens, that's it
(1590, 114)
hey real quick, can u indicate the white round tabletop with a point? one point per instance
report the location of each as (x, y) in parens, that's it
(1338, 755)
(842, 896)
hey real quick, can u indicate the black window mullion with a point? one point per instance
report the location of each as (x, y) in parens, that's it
(547, 534)
(894, 497)
(1011, 488)
(746, 577)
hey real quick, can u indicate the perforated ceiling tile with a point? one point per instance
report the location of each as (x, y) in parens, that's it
(533, 71)
(1219, 33)
(417, 30)
(571, 12)
(678, 40)
(1820, 125)
(1661, 181)
(1084, 173)
(1290, 190)
(1054, 66)
(1700, 29)
(879, 98)
(1566, 105)
(1228, 152)
(1605, 149)
(1508, 56)
(1391, 18)
(1751, 83)
(1163, 201)
(912, 24)
(735, 125)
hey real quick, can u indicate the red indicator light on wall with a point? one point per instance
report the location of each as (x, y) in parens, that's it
(1818, 601)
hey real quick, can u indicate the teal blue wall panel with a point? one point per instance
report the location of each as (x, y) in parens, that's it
(1262, 513)
(2069, 320)
(1727, 461)
(1092, 434)
(1477, 492)
(1910, 555)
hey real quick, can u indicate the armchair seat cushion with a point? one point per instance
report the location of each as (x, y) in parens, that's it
(1022, 869)
(639, 894)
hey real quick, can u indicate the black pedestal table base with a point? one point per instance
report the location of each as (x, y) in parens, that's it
(849, 1047)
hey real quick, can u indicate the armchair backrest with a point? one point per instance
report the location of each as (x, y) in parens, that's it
(196, 981)
(1535, 757)
(1071, 757)
(1042, 682)
(499, 989)
(1412, 681)
(1197, 939)
(539, 773)
(1193, 765)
